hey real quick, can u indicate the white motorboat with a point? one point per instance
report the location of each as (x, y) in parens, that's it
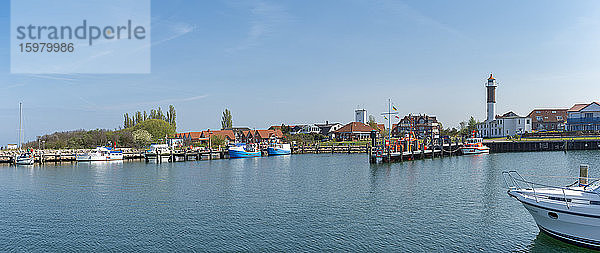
(25, 159)
(570, 213)
(101, 154)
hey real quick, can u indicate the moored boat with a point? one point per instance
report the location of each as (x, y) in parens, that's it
(570, 213)
(279, 149)
(25, 159)
(158, 152)
(243, 150)
(474, 146)
(101, 154)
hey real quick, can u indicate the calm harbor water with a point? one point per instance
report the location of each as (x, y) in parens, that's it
(324, 202)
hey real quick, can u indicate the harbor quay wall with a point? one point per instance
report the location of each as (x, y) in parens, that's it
(542, 145)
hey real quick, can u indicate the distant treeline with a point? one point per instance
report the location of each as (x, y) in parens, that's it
(139, 131)
(139, 117)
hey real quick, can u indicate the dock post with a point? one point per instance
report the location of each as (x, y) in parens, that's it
(583, 174)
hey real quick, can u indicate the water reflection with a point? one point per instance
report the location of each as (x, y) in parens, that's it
(546, 244)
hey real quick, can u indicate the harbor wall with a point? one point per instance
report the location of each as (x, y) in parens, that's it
(542, 145)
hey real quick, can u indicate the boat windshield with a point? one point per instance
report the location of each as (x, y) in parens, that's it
(594, 186)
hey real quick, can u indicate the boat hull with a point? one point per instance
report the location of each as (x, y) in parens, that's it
(243, 154)
(91, 158)
(278, 151)
(474, 151)
(574, 225)
(26, 161)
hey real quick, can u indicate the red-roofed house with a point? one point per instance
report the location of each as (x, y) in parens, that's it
(227, 134)
(266, 135)
(548, 119)
(354, 131)
(584, 117)
(190, 137)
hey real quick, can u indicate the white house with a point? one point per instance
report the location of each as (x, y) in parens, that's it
(506, 125)
(305, 129)
(500, 126)
(328, 129)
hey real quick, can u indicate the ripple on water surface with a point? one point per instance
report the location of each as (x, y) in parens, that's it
(325, 202)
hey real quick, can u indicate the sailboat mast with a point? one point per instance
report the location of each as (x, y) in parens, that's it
(390, 119)
(20, 125)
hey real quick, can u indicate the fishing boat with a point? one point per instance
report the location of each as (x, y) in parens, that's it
(101, 154)
(570, 213)
(26, 158)
(279, 149)
(243, 150)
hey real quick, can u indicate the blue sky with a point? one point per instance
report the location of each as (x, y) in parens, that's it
(273, 62)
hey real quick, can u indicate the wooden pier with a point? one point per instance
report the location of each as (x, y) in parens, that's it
(185, 155)
(323, 149)
(386, 156)
(59, 156)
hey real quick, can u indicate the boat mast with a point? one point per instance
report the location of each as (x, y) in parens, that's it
(388, 116)
(20, 125)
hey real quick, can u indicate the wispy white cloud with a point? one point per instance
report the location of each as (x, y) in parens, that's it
(155, 102)
(175, 30)
(12, 86)
(405, 10)
(265, 19)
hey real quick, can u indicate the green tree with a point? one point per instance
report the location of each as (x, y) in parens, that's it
(171, 116)
(126, 121)
(138, 117)
(159, 129)
(160, 114)
(372, 122)
(472, 124)
(217, 141)
(226, 120)
(141, 137)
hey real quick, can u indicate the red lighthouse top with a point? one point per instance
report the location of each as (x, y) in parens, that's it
(491, 77)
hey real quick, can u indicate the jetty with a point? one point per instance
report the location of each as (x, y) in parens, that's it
(59, 156)
(412, 149)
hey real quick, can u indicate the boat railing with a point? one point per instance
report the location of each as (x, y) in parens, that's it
(513, 181)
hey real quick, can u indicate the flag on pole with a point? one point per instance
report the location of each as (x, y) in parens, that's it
(393, 107)
(385, 117)
(397, 117)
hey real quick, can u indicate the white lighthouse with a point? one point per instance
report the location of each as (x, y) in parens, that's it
(491, 98)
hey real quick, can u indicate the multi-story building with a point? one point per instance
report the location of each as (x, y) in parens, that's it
(360, 115)
(500, 126)
(421, 125)
(584, 117)
(548, 119)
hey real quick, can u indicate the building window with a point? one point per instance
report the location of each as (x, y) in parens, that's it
(559, 118)
(589, 115)
(538, 118)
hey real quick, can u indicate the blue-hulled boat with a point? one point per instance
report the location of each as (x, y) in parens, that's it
(279, 149)
(241, 150)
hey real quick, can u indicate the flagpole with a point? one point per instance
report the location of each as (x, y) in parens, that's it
(390, 120)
